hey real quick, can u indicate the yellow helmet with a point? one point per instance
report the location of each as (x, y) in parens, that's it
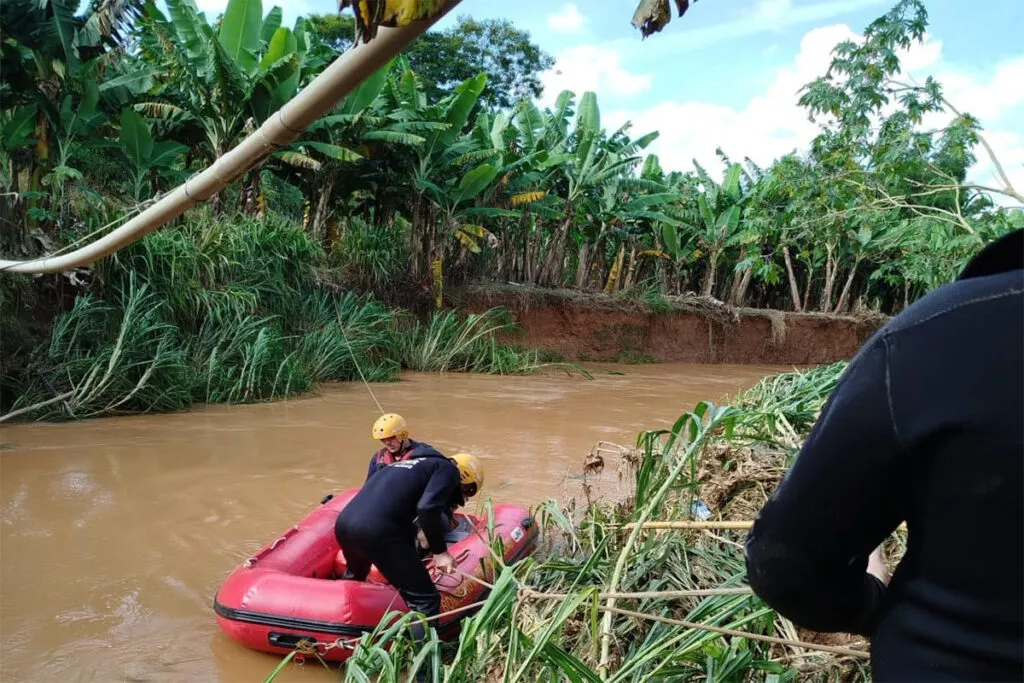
(390, 425)
(471, 470)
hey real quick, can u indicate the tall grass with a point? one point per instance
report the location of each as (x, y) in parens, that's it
(585, 553)
(372, 256)
(235, 310)
(453, 341)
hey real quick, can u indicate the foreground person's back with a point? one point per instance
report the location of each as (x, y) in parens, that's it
(927, 426)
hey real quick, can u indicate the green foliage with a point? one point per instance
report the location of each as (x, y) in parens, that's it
(446, 140)
(451, 341)
(369, 257)
(425, 177)
(18, 297)
(512, 62)
(337, 31)
(118, 357)
(230, 311)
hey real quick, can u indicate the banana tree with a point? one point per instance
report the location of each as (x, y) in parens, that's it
(217, 85)
(532, 183)
(719, 208)
(632, 209)
(366, 132)
(592, 163)
(434, 167)
(47, 45)
(147, 158)
(522, 190)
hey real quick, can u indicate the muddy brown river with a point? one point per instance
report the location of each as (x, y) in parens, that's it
(117, 532)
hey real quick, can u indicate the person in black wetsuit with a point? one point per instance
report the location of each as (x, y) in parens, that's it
(926, 425)
(378, 525)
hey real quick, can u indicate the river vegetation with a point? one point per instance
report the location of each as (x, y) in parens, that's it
(546, 616)
(238, 311)
(440, 170)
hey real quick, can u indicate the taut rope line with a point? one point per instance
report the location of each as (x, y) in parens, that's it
(352, 353)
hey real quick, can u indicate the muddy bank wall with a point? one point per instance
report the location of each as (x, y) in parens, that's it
(591, 329)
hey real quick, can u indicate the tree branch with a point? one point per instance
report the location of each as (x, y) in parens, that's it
(1009, 189)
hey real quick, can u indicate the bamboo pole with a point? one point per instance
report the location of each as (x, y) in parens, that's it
(37, 406)
(834, 649)
(643, 595)
(284, 126)
(686, 524)
(740, 524)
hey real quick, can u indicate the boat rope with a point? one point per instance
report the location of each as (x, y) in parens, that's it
(355, 361)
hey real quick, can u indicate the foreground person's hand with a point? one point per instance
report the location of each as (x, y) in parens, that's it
(876, 566)
(444, 562)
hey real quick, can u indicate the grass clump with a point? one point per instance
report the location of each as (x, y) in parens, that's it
(546, 616)
(231, 310)
(451, 341)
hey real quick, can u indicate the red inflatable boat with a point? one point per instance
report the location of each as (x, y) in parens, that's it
(288, 592)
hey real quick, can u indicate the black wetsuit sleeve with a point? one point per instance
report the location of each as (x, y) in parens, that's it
(807, 551)
(442, 486)
(373, 466)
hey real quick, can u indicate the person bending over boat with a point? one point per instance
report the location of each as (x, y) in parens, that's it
(457, 528)
(392, 431)
(925, 425)
(378, 525)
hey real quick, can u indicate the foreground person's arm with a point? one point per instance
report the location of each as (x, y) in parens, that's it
(808, 551)
(439, 490)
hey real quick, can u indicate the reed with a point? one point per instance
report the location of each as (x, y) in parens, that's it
(234, 310)
(451, 341)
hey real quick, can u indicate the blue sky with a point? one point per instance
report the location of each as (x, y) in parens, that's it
(727, 74)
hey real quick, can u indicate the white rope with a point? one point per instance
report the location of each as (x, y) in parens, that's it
(352, 353)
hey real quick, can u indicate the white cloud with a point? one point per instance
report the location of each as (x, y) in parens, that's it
(772, 124)
(773, 11)
(567, 20)
(589, 67)
(766, 16)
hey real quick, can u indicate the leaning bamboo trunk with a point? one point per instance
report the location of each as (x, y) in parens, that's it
(845, 295)
(741, 297)
(284, 126)
(794, 290)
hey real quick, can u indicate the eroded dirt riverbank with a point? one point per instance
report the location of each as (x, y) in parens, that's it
(595, 327)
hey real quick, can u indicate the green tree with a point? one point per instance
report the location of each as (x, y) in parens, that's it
(337, 31)
(513, 64)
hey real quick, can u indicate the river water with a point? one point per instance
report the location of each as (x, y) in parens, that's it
(117, 532)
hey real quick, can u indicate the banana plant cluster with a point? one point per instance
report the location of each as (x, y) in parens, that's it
(875, 213)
